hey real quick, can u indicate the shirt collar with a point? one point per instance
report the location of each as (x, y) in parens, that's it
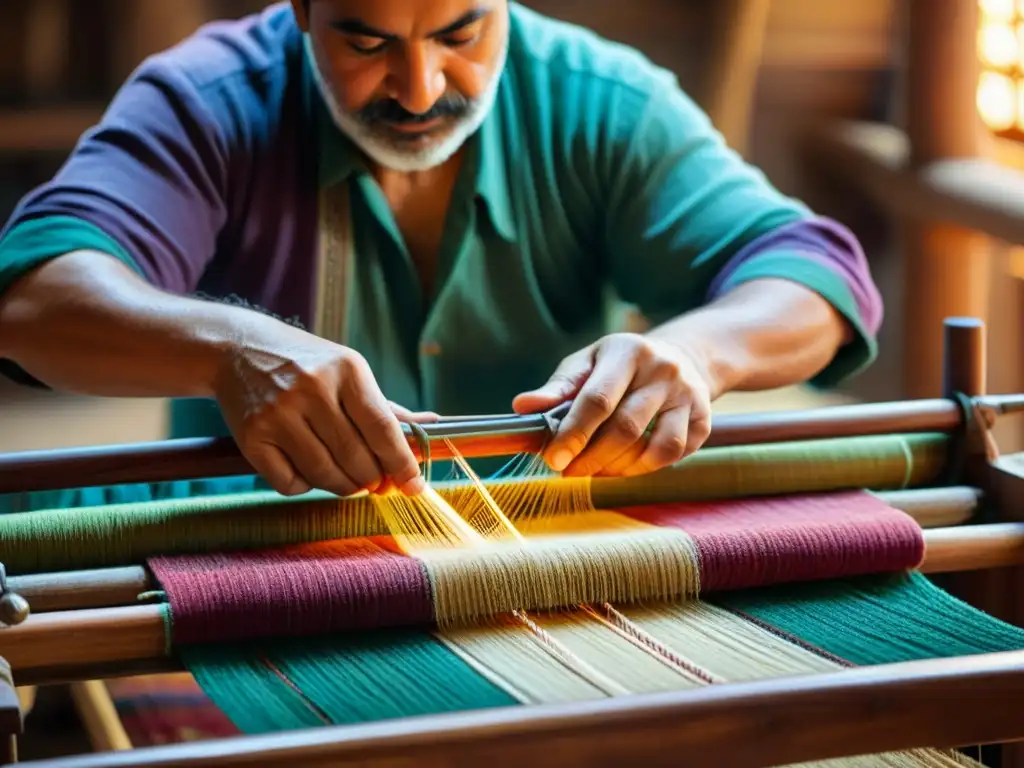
(338, 158)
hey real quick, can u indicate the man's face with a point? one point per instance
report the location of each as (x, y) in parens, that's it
(408, 80)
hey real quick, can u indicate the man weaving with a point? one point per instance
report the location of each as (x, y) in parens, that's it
(442, 199)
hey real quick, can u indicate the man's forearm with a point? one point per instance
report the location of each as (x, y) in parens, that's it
(85, 323)
(761, 335)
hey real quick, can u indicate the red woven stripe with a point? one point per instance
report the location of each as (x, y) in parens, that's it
(317, 588)
(758, 542)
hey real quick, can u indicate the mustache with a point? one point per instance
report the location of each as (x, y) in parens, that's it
(390, 111)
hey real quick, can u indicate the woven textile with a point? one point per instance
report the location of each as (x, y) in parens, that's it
(363, 583)
(380, 675)
(125, 534)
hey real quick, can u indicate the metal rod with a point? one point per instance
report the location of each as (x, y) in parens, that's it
(201, 458)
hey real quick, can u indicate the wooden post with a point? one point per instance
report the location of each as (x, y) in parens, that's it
(10, 716)
(739, 28)
(947, 268)
(964, 364)
(995, 591)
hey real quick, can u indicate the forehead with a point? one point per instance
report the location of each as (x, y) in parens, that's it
(403, 18)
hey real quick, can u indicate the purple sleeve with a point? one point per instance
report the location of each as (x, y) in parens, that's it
(824, 242)
(152, 175)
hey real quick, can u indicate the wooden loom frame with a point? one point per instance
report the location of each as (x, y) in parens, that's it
(943, 703)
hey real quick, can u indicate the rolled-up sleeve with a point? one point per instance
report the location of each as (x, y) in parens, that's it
(688, 220)
(147, 185)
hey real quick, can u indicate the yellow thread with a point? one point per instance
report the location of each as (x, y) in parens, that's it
(597, 557)
(493, 552)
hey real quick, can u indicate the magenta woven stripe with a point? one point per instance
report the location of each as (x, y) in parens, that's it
(319, 588)
(758, 542)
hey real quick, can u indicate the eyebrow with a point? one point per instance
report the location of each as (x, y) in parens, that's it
(359, 27)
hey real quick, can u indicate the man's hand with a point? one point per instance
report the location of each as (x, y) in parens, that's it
(308, 413)
(620, 385)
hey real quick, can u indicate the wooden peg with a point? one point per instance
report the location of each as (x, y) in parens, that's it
(14, 608)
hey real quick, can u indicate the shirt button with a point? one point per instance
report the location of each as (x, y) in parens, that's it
(430, 348)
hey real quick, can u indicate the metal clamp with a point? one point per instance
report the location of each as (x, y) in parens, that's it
(466, 426)
(14, 608)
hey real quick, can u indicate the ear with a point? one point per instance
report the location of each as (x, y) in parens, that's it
(301, 9)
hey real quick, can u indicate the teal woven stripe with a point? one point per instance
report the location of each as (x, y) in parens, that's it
(241, 685)
(394, 674)
(349, 679)
(878, 620)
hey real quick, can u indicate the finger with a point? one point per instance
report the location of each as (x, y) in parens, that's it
(564, 383)
(413, 417)
(275, 468)
(627, 459)
(621, 431)
(371, 414)
(669, 442)
(349, 452)
(310, 457)
(596, 402)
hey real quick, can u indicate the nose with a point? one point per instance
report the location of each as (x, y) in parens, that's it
(419, 79)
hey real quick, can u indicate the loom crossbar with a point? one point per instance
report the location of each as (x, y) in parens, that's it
(866, 710)
(198, 458)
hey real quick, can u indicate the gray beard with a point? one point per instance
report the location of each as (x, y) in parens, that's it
(392, 155)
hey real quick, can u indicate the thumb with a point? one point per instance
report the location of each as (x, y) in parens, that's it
(563, 385)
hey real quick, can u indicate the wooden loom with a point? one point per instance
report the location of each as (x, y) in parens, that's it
(86, 625)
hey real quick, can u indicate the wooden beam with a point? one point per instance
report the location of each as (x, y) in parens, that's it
(867, 710)
(947, 269)
(53, 129)
(970, 193)
(739, 28)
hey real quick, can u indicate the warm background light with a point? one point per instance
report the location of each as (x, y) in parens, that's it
(1001, 51)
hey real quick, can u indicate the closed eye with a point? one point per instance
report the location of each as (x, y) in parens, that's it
(366, 47)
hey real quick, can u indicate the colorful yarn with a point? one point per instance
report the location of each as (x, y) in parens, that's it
(646, 553)
(348, 584)
(384, 675)
(756, 542)
(370, 676)
(126, 534)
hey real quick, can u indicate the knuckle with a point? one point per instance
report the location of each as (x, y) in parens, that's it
(670, 449)
(376, 419)
(670, 369)
(700, 431)
(598, 402)
(352, 363)
(627, 426)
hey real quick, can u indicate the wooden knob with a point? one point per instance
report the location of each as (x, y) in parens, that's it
(14, 609)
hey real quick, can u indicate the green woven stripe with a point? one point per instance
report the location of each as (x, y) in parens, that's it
(352, 679)
(393, 674)
(878, 619)
(881, 463)
(124, 534)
